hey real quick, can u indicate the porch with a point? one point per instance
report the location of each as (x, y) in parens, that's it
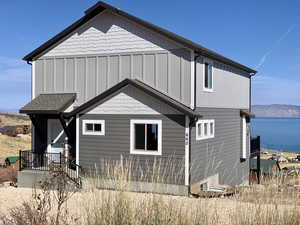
(53, 136)
(35, 167)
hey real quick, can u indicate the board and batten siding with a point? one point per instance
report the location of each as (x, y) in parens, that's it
(97, 152)
(222, 154)
(88, 76)
(231, 87)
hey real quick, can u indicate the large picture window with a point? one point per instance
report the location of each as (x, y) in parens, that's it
(205, 129)
(145, 137)
(208, 76)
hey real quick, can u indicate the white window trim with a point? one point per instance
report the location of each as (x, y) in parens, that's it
(212, 74)
(202, 130)
(102, 122)
(244, 138)
(132, 136)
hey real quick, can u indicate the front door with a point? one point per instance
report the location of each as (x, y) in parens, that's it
(56, 137)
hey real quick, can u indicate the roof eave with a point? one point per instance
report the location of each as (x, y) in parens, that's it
(100, 6)
(140, 85)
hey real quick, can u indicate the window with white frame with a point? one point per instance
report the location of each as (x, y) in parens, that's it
(93, 127)
(146, 137)
(205, 129)
(208, 76)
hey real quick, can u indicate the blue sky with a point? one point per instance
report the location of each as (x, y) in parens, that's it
(258, 34)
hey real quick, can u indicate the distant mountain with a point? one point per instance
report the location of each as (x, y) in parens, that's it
(276, 110)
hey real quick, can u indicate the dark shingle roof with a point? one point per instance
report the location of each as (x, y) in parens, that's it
(101, 6)
(49, 103)
(140, 85)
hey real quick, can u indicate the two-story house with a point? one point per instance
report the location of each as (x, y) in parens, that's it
(122, 88)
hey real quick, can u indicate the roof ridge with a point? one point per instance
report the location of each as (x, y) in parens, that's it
(95, 9)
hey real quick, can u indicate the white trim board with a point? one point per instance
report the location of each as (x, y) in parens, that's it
(187, 151)
(192, 79)
(33, 80)
(244, 138)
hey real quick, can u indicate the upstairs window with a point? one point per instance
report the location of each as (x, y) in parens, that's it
(93, 127)
(208, 76)
(145, 137)
(205, 129)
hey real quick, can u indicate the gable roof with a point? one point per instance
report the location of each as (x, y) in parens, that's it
(49, 104)
(140, 85)
(101, 6)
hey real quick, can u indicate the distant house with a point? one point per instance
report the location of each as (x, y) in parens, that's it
(120, 87)
(13, 131)
(268, 168)
(279, 158)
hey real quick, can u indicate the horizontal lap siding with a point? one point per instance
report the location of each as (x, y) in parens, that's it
(222, 153)
(98, 150)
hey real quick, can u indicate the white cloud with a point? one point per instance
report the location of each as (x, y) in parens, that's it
(277, 43)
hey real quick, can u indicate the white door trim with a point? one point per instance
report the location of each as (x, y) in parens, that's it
(187, 151)
(244, 138)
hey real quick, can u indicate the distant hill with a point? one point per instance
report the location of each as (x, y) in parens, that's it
(276, 110)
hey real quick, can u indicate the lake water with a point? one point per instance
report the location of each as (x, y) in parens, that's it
(278, 133)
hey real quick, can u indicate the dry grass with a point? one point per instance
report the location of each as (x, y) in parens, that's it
(10, 146)
(256, 205)
(286, 154)
(12, 120)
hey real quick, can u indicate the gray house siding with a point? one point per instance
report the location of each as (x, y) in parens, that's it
(221, 154)
(88, 76)
(231, 87)
(110, 33)
(96, 151)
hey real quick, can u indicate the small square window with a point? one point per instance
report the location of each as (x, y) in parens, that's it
(97, 127)
(93, 127)
(205, 129)
(89, 127)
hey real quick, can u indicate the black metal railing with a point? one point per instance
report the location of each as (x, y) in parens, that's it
(39, 161)
(54, 162)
